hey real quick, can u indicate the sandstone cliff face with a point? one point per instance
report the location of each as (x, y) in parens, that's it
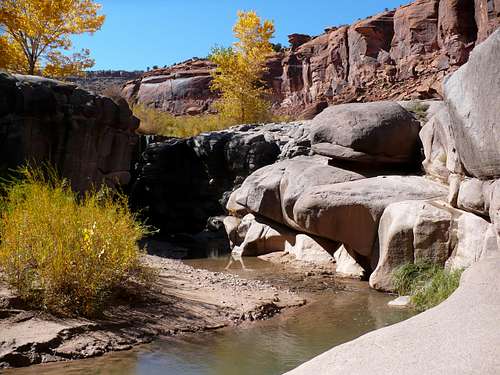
(399, 54)
(90, 139)
(183, 88)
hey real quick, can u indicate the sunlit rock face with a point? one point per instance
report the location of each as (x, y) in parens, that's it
(403, 53)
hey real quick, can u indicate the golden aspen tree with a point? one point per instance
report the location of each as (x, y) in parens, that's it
(33, 34)
(239, 70)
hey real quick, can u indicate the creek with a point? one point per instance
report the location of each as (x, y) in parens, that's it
(331, 317)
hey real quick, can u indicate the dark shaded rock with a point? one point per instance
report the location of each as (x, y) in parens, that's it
(181, 183)
(88, 138)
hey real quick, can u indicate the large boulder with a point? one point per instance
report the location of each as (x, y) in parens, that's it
(429, 231)
(273, 190)
(263, 236)
(473, 99)
(495, 209)
(346, 265)
(382, 132)
(349, 212)
(441, 157)
(474, 196)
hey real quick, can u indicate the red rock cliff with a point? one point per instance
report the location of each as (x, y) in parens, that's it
(398, 54)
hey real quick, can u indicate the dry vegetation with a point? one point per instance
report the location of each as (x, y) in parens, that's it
(64, 253)
(156, 122)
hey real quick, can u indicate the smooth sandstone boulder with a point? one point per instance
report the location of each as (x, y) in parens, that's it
(408, 232)
(346, 265)
(460, 336)
(273, 190)
(429, 231)
(377, 131)
(495, 208)
(474, 196)
(471, 232)
(349, 212)
(441, 157)
(473, 98)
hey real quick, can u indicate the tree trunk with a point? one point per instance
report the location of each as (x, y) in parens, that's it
(31, 70)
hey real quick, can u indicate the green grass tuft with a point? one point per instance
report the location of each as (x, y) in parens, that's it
(427, 284)
(419, 109)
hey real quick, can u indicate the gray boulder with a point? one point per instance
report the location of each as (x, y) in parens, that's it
(273, 190)
(474, 196)
(440, 152)
(263, 236)
(366, 132)
(349, 212)
(429, 231)
(473, 98)
(346, 265)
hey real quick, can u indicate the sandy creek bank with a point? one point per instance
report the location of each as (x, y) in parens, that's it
(337, 310)
(184, 299)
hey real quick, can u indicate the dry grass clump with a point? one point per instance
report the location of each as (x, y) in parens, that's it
(156, 122)
(64, 253)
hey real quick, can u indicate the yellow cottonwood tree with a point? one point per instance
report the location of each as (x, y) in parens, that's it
(33, 34)
(239, 70)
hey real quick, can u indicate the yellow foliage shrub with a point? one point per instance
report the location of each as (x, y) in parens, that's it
(65, 253)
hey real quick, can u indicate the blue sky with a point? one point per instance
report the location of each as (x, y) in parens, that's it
(138, 34)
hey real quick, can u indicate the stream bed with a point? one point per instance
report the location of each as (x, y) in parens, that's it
(331, 317)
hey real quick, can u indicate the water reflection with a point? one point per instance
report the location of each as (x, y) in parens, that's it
(235, 258)
(264, 348)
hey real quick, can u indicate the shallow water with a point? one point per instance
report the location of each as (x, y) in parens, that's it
(264, 348)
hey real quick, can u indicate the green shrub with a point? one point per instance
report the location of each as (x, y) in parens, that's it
(427, 284)
(437, 289)
(411, 276)
(65, 253)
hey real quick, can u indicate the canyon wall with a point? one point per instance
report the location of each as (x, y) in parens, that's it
(88, 138)
(398, 54)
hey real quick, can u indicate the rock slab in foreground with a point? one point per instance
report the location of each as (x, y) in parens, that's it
(460, 336)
